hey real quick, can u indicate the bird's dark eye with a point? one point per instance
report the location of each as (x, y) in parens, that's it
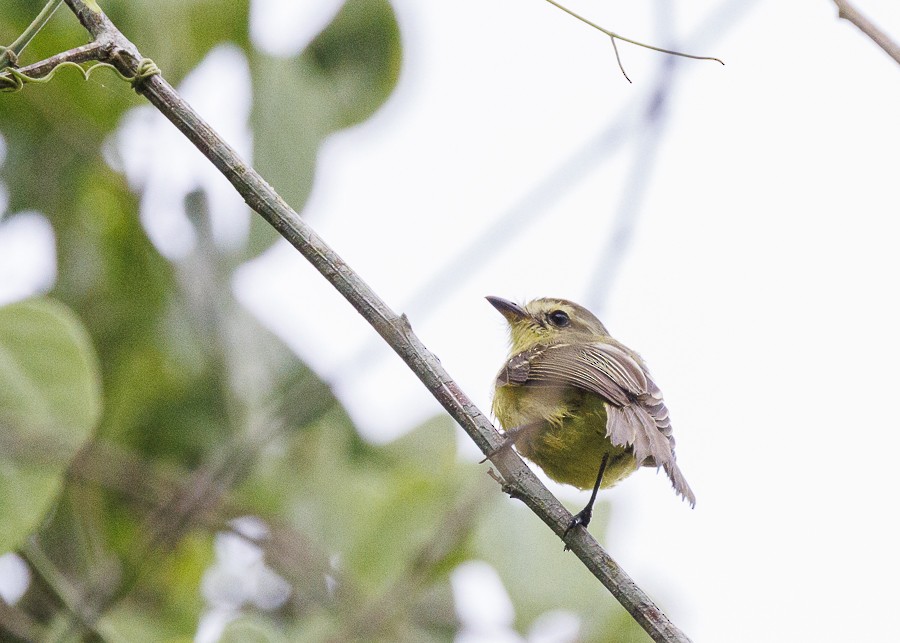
(558, 318)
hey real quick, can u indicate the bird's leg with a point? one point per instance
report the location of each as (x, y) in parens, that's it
(511, 437)
(583, 517)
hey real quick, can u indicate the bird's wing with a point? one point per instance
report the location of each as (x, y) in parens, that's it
(515, 371)
(637, 416)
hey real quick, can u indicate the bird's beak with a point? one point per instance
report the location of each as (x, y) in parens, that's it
(509, 309)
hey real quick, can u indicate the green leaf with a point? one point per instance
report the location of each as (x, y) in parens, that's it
(359, 54)
(49, 404)
(342, 77)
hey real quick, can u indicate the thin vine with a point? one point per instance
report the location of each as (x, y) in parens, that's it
(14, 80)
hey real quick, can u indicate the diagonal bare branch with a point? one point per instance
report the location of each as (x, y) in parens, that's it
(848, 12)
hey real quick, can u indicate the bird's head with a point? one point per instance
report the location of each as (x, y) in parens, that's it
(547, 321)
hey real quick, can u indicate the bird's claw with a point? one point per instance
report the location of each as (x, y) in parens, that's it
(507, 445)
(582, 518)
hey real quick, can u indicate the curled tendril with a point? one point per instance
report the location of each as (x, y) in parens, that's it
(13, 80)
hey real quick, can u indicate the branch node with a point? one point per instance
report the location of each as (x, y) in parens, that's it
(510, 487)
(847, 11)
(11, 56)
(498, 479)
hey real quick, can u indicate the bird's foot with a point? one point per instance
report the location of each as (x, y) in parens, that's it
(506, 446)
(511, 437)
(582, 518)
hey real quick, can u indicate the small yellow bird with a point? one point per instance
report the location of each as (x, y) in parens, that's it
(578, 403)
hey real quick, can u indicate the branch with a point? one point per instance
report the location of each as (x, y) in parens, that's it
(396, 331)
(613, 36)
(848, 12)
(12, 79)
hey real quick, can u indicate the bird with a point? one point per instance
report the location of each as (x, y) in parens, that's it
(578, 403)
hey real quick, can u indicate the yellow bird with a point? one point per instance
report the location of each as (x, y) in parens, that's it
(578, 403)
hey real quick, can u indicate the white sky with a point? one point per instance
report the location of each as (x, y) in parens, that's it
(760, 284)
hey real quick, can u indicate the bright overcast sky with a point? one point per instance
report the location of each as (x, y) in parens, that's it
(762, 211)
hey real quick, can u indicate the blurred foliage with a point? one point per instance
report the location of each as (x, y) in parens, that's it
(49, 399)
(206, 417)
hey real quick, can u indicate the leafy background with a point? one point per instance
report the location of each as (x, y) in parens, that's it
(146, 416)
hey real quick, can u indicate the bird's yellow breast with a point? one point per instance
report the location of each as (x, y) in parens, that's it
(569, 439)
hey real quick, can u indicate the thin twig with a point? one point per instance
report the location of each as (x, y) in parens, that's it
(615, 36)
(9, 55)
(848, 12)
(260, 196)
(612, 39)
